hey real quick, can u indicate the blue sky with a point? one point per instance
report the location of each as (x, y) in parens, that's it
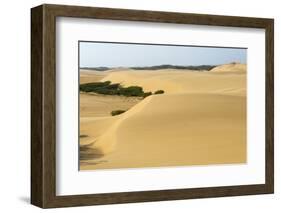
(94, 54)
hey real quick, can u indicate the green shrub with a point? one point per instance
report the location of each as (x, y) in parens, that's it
(146, 94)
(106, 88)
(131, 91)
(112, 86)
(159, 92)
(91, 87)
(117, 112)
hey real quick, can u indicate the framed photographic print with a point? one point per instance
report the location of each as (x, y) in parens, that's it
(136, 106)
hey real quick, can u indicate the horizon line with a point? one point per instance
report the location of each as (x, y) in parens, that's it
(159, 65)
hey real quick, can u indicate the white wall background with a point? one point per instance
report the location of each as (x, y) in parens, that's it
(15, 105)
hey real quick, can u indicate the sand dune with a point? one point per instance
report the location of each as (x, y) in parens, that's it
(87, 76)
(233, 67)
(94, 105)
(201, 119)
(174, 81)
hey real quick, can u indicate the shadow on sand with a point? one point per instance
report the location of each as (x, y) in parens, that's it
(89, 155)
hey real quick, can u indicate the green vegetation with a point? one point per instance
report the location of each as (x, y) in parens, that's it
(157, 67)
(95, 86)
(146, 94)
(130, 91)
(117, 112)
(96, 68)
(168, 66)
(106, 88)
(159, 92)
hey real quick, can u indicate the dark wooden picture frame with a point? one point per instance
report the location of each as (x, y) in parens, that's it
(43, 105)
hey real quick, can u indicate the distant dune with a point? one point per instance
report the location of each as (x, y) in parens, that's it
(233, 68)
(199, 120)
(174, 81)
(87, 76)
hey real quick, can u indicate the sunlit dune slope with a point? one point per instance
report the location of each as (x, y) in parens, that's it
(199, 120)
(191, 129)
(233, 67)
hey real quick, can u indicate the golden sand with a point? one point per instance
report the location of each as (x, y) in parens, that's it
(200, 120)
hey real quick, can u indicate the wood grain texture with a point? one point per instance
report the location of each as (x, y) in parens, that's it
(36, 106)
(43, 105)
(269, 118)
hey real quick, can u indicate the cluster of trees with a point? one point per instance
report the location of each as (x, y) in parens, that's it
(168, 66)
(157, 67)
(96, 68)
(106, 88)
